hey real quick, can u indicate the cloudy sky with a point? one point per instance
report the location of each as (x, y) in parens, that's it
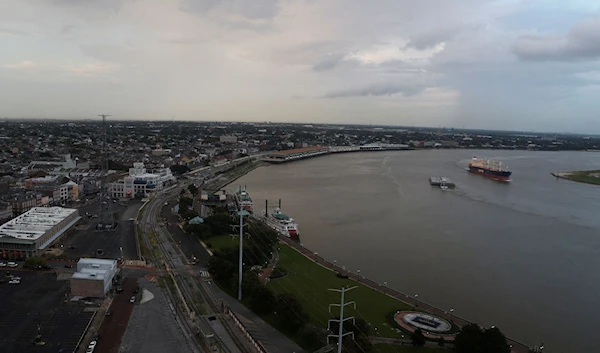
(531, 65)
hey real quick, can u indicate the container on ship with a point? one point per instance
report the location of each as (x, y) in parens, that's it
(492, 170)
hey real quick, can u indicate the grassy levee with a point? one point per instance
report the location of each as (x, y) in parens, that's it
(309, 283)
(587, 176)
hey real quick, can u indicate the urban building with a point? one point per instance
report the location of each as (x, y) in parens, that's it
(140, 183)
(94, 277)
(6, 211)
(227, 139)
(32, 232)
(22, 201)
(66, 162)
(60, 188)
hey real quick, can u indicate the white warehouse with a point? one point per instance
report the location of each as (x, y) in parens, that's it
(32, 232)
(94, 277)
(139, 183)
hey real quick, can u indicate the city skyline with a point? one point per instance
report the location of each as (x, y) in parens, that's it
(501, 65)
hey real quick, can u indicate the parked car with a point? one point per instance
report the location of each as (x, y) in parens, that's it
(132, 299)
(12, 281)
(12, 264)
(2, 264)
(68, 266)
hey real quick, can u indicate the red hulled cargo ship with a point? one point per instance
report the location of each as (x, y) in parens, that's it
(492, 170)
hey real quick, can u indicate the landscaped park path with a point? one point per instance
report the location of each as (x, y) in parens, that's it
(516, 347)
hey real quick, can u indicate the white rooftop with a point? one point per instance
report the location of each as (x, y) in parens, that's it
(88, 273)
(101, 263)
(34, 223)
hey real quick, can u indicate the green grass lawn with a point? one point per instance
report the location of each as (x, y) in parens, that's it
(220, 242)
(310, 282)
(589, 176)
(388, 348)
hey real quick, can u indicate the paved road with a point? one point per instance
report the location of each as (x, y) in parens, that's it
(113, 327)
(153, 326)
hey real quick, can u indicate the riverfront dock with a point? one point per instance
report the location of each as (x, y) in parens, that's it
(440, 181)
(308, 152)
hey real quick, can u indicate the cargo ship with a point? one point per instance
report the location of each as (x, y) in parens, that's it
(244, 200)
(280, 222)
(493, 171)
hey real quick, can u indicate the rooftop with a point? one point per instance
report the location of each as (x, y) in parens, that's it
(34, 223)
(299, 150)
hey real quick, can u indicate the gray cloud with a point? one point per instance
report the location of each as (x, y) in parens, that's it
(580, 42)
(255, 9)
(328, 63)
(378, 89)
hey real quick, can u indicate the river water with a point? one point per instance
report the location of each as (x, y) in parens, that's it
(523, 256)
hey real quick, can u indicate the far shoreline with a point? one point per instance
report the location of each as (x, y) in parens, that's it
(591, 177)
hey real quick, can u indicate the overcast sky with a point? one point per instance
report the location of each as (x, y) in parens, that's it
(528, 65)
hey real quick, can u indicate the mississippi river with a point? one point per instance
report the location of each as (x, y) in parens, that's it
(523, 256)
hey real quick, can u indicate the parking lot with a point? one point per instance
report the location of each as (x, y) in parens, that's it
(86, 240)
(38, 302)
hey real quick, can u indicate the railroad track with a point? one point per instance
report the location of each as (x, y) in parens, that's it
(187, 286)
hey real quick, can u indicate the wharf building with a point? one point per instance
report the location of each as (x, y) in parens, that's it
(31, 233)
(140, 183)
(94, 277)
(294, 154)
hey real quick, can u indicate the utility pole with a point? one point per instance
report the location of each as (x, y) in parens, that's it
(341, 320)
(241, 213)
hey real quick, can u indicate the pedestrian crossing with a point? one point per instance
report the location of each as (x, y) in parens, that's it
(204, 274)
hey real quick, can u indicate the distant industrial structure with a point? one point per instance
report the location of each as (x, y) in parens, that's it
(32, 232)
(140, 183)
(94, 277)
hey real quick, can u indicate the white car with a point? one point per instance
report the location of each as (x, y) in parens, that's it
(16, 278)
(13, 281)
(12, 264)
(2, 264)
(132, 299)
(92, 344)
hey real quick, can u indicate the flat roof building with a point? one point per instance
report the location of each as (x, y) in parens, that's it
(94, 277)
(32, 232)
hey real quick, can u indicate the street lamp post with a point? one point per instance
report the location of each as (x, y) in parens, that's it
(451, 312)
(241, 213)
(416, 301)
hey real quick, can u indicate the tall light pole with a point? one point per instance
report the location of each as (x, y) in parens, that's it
(241, 213)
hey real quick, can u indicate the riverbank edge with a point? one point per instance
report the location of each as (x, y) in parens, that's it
(569, 176)
(294, 245)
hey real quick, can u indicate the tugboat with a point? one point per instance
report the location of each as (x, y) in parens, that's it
(493, 171)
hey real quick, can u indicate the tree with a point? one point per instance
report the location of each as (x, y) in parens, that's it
(441, 341)
(262, 300)
(193, 189)
(418, 338)
(34, 262)
(188, 214)
(473, 339)
(179, 169)
(469, 339)
(220, 268)
(313, 338)
(361, 330)
(494, 341)
(290, 312)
